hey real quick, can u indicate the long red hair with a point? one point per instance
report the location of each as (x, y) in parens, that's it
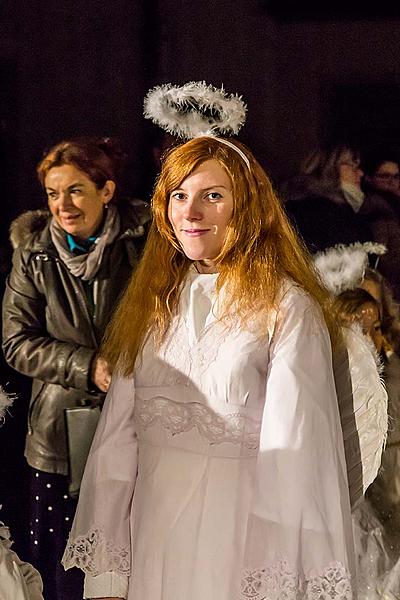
(260, 250)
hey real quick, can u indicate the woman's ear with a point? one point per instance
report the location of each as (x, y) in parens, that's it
(108, 191)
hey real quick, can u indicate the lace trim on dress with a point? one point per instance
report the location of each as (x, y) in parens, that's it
(94, 555)
(282, 582)
(177, 418)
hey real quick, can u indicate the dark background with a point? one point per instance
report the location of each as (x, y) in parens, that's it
(310, 72)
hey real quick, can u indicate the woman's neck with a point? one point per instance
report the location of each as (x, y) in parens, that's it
(205, 267)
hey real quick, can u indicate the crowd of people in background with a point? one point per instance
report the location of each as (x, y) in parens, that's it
(341, 196)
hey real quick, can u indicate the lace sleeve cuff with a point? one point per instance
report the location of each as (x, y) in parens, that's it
(333, 582)
(106, 585)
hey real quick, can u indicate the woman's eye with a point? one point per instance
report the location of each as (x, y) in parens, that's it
(214, 196)
(76, 191)
(177, 195)
(51, 195)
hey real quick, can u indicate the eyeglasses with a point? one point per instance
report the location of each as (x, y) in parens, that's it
(388, 176)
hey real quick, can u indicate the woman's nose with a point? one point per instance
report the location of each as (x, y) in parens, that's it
(192, 210)
(64, 199)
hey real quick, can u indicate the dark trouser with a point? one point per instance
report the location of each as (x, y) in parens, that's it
(51, 515)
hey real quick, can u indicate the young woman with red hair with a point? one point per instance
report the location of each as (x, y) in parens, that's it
(217, 470)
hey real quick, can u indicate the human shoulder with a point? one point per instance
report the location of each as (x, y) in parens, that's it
(29, 231)
(135, 216)
(306, 190)
(292, 297)
(378, 206)
(295, 307)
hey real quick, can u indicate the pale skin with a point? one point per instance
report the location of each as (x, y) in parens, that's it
(200, 211)
(77, 205)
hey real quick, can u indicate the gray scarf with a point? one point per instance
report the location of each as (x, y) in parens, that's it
(86, 265)
(353, 195)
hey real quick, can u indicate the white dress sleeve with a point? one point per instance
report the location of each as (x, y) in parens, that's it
(99, 542)
(299, 537)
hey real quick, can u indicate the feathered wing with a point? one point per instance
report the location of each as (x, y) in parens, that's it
(363, 410)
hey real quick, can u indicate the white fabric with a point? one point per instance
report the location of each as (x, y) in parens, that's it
(241, 489)
(106, 585)
(378, 571)
(18, 579)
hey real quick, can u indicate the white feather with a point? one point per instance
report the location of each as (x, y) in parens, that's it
(342, 267)
(195, 109)
(363, 409)
(5, 403)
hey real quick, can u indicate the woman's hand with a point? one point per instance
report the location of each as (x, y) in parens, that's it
(100, 373)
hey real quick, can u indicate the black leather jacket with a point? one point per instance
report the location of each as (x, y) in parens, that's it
(48, 333)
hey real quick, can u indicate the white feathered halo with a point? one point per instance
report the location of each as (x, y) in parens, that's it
(195, 109)
(342, 267)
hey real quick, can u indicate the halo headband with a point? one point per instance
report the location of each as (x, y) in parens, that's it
(234, 147)
(195, 110)
(342, 267)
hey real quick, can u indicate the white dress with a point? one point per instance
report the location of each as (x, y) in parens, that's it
(217, 472)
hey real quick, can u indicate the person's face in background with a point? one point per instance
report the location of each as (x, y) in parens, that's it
(74, 200)
(199, 211)
(349, 169)
(386, 178)
(368, 317)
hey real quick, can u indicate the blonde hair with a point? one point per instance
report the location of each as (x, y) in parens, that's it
(324, 163)
(260, 250)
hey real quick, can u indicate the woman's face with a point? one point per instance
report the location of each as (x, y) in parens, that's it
(386, 177)
(349, 169)
(200, 210)
(369, 319)
(74, 200)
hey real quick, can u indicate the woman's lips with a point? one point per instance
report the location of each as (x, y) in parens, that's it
(195, 232)
(69, 217)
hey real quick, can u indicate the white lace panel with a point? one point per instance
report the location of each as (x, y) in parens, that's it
(94, 555)
(282, 582)
(216, 428)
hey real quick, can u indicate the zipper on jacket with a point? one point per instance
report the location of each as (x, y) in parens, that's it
(44, 256)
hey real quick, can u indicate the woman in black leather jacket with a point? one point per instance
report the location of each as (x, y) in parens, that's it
(70, 266)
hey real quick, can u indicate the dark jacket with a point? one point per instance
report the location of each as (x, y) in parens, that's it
(321, 215)
(48, 333)
(382, 211)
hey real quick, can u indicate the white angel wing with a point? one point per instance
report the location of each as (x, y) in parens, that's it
(363, 410)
